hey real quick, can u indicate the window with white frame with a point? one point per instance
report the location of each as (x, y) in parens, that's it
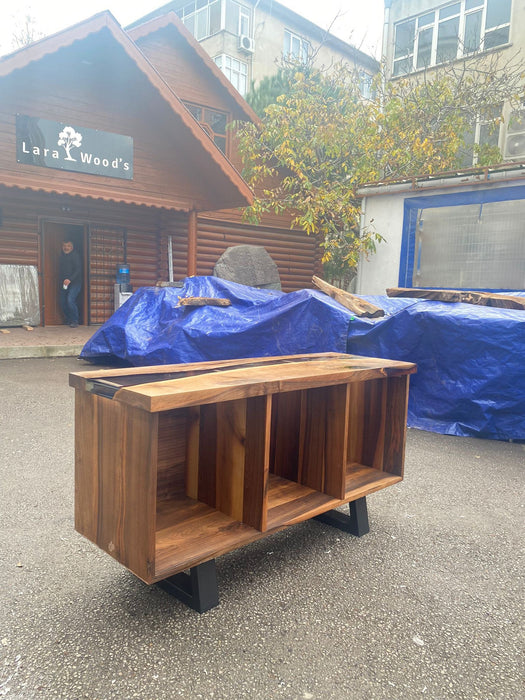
(202, 17)
(237, 18)
(244, 22)
(515, 140)
(206, 17)
(295, 47)
(236, 71)
(365, 85)
(484, 132)
(449, 32)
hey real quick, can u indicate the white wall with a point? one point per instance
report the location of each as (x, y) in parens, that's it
(383, 214)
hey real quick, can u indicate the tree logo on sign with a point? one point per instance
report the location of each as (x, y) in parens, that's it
(69, 138)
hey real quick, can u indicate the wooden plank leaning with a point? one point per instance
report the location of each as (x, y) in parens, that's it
(355, 304)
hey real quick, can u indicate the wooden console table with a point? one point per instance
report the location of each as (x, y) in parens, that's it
(176, 465)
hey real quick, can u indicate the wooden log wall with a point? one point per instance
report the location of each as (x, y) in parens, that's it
(189, 79)
(146, 228)
(19, 239)
(177, 228)
(296, 255)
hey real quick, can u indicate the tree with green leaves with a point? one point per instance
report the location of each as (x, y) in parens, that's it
(319, 141)
(269, 89)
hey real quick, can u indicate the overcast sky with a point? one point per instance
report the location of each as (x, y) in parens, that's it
(358, 21)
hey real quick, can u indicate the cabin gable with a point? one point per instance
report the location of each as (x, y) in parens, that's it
(94, 84)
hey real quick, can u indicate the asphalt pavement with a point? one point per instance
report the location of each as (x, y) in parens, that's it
(429, 604)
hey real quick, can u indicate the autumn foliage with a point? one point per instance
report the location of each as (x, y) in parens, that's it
(319, 141)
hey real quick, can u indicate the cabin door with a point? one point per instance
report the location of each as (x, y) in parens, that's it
(53, 234)
(107, 249)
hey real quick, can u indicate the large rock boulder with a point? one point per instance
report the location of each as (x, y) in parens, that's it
(250, 265)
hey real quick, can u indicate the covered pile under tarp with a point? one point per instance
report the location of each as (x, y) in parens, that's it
(470, 379)
(151, 329)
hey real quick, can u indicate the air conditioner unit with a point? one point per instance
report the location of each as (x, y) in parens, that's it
(246, 44)
(515, 141)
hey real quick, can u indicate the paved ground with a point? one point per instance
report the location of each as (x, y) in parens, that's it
(51, 341)
(428, 605)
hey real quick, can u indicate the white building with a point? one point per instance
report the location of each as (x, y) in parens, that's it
(422, 34)
(246, 38)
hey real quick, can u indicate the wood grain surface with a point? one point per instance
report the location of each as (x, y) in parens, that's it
(239, 382)
(221, 454)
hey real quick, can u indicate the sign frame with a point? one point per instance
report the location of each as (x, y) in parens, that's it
(64, 146)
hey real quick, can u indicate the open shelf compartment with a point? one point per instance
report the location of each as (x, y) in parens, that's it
(254, 466)
(189, 532)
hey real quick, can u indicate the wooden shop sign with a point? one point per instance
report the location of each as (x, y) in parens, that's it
(63, 146)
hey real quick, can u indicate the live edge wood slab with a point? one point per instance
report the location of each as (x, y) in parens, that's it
(176, 465)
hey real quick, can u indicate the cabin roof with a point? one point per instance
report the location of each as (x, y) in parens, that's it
(171, 21)
(235, 190)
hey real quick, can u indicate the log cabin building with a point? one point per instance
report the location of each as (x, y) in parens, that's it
(120, 142)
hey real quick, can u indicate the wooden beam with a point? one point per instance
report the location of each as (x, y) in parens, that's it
(192, 243)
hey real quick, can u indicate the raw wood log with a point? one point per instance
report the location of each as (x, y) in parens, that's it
(160, 283)
(203, 301)
(500, 301)
(358, 306)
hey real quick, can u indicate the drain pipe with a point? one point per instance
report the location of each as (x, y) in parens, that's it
(384, 45)
(386, 23)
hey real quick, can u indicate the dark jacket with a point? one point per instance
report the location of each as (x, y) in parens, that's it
(70, 267)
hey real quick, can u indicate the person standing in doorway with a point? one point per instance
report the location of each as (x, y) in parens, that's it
(70, 274)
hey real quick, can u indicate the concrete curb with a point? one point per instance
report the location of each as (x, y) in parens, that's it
(35, 351)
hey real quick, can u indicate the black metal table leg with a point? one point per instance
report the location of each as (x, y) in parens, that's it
(198, 589)
(356, 523)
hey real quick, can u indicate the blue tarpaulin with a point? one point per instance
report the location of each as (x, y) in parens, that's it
(470, 378)
(151, 329)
